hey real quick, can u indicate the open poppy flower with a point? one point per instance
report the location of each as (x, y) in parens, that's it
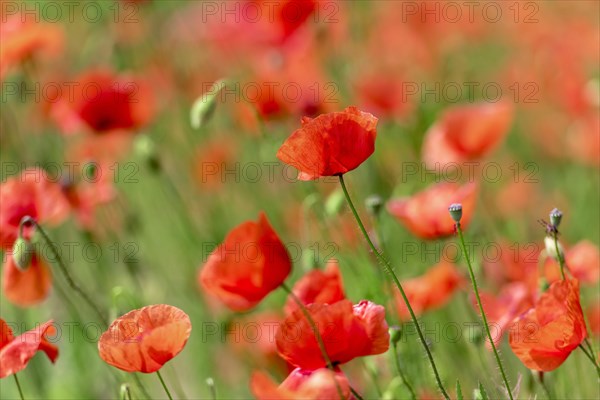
(347, 331)
(425, 214)
(323, 287)
(466, 133)
(301, 384)
(430, 290)
(330, 144)
(30, 194)
(247, 266)
(15, 352)
(144, 340)
(102, 102)
(545, 335)
(582, 261)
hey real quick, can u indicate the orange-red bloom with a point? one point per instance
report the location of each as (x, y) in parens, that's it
(323, 287)
(31, 194)
(301, 385)
(425, 214)
(544, 336)
(144, 340)
(247, 266)
(330, 144)
(466, 133)
(430, 290)
(15, 352)
(347, 332)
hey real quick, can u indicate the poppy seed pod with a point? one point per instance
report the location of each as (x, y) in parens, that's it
(455, 210)
(555, 217)
(22, 253)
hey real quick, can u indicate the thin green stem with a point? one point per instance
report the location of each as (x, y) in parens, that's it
(483, 316)
(355, 393)
(19, 387)
(67, 275)
(561, 260)
(164, 385)
(390, 270)
(591, 358)
(313, 326)
(413, 395)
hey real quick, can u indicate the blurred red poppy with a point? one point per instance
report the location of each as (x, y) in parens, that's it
(513, 262)
(347, 332)
(144, 340)
(545, 335)
(465, 133)
(102, 102)
(247, 266)
(425, 214)
(322, 287)
(330, 144)
(593, 315)
(429, 291)
(23, 38)
(31, 194)
(301, 384)
(15, 352)
(582, 261)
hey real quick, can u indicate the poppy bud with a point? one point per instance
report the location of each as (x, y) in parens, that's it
(204, 107)
(551, 248)
(374, 203)
(395, 334)
(145, 148)
(89, 170)
(455, 211)
(125, 392)
(555, 217)
(22, 253)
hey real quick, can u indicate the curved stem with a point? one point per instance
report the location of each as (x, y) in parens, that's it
(413, 395)
(313, 326)
(390, 270)
(561, 260)
(65, 271)
(164, 385)
(19, 387)
(483, 316)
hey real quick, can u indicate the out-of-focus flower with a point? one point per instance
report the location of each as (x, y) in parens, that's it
(247, 266)
(330, 144)
(15, 352)
(513, 262)
(430, 290)
(322, 287)
(545, 335)
(347, 332)
(425, 214)
(582, 261)
(301, 384)
(144, 340)
(466, 133)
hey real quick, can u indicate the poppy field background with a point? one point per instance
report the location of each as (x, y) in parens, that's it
(178, 145)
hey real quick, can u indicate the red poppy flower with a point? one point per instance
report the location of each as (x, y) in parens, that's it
(15, 352)
(144, 340)
(430, 290)
(466, 133)
(347, 332)
(544, 336)
(301, 384)
(247, 266)
(30, 194)
(102, 102)
(425, 214)
(593, 315)
(323, 287)
(330, 144)
(513, 300)
(582, 261)
(22, 38)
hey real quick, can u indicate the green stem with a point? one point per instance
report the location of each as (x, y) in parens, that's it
(413, 395)
(65, 271)
(19, 387)
(355, 393)
(320, 342)
(591, 358)
(483, 316)
(561, 260)
(390, 270)
(164, 385)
